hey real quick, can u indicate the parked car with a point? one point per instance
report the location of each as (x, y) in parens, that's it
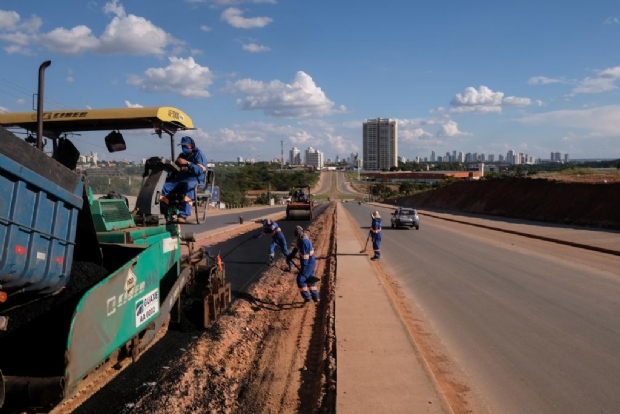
(405, 217)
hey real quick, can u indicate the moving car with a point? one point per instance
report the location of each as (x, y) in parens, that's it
(405, 217)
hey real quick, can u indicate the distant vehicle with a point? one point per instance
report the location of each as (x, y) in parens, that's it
(286, 200)
(405, 217)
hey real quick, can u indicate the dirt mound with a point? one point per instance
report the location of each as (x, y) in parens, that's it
(582, 204)
(268, 353)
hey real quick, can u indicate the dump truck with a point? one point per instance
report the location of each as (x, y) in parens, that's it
(301, 206)
(86, 283)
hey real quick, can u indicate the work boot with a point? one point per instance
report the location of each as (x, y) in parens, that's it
(316, 299)
(374, 258)
(306, 301)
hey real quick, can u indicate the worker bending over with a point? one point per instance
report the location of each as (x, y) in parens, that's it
(272, 228)
(305, 279)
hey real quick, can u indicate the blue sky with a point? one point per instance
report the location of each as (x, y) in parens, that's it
(479, 76)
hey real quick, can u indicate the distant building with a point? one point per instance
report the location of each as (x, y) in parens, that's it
(380, 144)
(314, 158)
(565, 158)
(294, 157)
(239, 160)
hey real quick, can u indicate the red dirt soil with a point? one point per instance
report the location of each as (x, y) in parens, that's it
(582, 204)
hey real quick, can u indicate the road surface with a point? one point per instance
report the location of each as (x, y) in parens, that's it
(534, 326)
(218, 220)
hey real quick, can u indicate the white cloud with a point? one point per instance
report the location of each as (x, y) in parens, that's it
(412, 129)
(595, 85)
(3, 109)
(301, 137)
(612, 20)
(483, 101)
(515, 101)
(539, 103)
(603, 119)
(205, 28)
(298, 99)
(255, 48)
(21, 101)
(543, 80)
(125, 34)
(341, 145)
(450, 129)
(605, 80)
(70, 76)
(183, 76)
(89, 107)
(133, 105)
(71, 42)
(8, 19)
(233, 16)
(114, 7)
(610, 73)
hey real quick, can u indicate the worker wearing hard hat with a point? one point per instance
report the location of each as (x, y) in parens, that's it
(272, 228)
(375, 231)
(306, 280)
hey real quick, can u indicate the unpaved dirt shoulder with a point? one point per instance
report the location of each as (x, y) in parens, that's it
(268, 353)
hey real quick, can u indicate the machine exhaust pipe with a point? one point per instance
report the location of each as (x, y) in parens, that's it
(42, 68)
(19, 392)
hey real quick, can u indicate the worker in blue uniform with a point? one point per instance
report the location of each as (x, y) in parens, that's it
(306, 280)
(272, 228)
(375, 232)
(193, 165)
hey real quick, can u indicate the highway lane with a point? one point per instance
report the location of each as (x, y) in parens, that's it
(244, 256)
(341, 184)
(534, 326)
(219, 220)
(326, 183)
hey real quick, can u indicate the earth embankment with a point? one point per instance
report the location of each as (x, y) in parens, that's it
(582, 204)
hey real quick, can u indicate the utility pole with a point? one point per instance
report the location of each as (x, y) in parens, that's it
(281, 155)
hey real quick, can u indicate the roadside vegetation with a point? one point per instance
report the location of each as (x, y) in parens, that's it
(235, 181)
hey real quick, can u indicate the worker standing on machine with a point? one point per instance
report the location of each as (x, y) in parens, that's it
(272, 228)
(305, 279)
(375, 231)
(193, 165)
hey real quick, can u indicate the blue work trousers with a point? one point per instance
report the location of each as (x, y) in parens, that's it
(278, 240)
(376, 244)
(307, 289)
(179, 187)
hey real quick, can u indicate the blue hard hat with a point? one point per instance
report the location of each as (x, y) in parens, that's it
(187, 140)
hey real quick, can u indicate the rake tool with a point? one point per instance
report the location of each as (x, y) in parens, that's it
(311, 279)
(365, 245)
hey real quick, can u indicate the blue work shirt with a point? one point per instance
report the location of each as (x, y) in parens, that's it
(375, 227)
(306, 252)
(194, 171)
(271, 229)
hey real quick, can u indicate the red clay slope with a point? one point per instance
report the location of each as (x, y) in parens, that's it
(593, 205)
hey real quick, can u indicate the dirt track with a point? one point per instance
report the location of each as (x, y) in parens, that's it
(269, 353)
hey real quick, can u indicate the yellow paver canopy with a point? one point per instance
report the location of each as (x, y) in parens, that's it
(55, 123)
